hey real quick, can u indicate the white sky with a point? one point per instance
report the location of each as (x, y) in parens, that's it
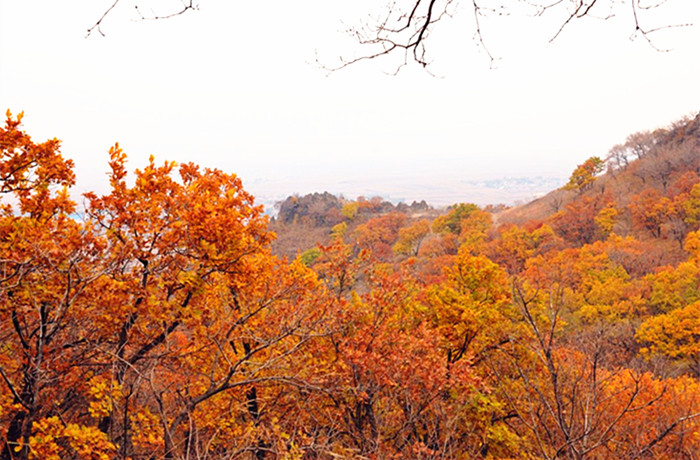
(234, 86)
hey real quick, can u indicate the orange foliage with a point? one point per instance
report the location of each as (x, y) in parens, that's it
(157, 323)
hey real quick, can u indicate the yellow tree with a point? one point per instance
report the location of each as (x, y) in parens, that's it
(584, 175)
(675, 335)
(411, 237)
(473, 316)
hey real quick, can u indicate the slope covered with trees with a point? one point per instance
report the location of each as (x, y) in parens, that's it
(302, 222)
(159, 323)
(648, 191)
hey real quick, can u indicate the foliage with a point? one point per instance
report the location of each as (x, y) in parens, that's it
(583, 176)
(157, 323)
(452, 221)
(411, 237)
(675, 335)
(605, 220)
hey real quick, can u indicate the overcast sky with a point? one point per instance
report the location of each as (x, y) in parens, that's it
(235, 86)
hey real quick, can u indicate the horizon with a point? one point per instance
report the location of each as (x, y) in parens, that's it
(235, 97)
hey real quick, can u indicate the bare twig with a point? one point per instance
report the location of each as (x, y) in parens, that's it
(98, 24)
(186, 6)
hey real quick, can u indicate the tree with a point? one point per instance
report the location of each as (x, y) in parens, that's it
(470, 310)
(158, 324)
(583, 176)
(673, 287)
(575, 407)
(618, 157)
(650, 211)
(411, 237)
(640, 144)
(576, 223)
(349, 209)
(605, 220)
(50, 266)
(515, 245)
(394, 384)
(150, 323)
(474, 230)
(29, 170)
(675, 335)
(339, 265)
(200, 314)
(177, 11)
(384, 374)
(379, 234)
(452, 221)
(405, 27)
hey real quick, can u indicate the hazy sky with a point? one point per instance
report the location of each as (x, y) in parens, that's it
(235, 86)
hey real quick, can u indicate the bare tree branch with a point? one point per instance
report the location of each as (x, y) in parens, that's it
(186, 6)
(98, 24)
(404, 29)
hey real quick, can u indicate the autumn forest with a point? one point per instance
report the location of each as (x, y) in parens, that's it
(171, 318)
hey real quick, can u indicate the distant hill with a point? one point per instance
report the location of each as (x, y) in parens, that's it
(301, 222)
(437, 189)
(646, 189)
(647, 160)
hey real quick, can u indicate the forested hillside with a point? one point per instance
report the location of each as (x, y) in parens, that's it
(302, 222)
(648, 180)
(158, 322)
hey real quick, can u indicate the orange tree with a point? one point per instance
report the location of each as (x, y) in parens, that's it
(51, 266)
(156, 324)
(200, 312)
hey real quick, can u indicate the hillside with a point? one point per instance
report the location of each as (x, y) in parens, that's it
(162, 325)
(644, 190)
(646, 161)
(648, 190)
